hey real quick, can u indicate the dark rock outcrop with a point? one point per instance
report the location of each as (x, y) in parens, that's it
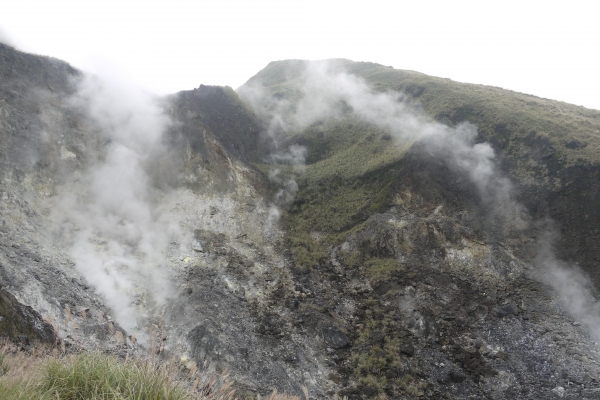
(22, 324)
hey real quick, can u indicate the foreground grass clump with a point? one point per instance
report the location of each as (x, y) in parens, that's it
(93, 375)
(97, 376)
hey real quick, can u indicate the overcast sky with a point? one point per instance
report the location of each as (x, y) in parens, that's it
(546, 48)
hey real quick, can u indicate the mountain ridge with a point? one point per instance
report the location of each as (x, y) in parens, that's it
(316, 227)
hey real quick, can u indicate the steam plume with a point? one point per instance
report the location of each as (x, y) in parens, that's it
(327, 93)
(118, 219)
(276, 114)
(572, 286)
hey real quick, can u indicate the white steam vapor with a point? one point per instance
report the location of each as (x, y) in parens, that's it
(287, 189)
(573, 287)
(119, 229)
(295, 156)
(276, 113)
(325, 93)
(5, 38)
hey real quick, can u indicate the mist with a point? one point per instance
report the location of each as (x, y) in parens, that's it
(5, 38)
(572, 286)
(115, 216)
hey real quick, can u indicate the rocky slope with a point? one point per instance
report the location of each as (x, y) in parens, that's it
(291, 233)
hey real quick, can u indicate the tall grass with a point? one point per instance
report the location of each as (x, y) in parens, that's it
(88, 376)
(48, 375)
(98, 376)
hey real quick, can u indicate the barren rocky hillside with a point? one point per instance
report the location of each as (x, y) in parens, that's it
(348, 227)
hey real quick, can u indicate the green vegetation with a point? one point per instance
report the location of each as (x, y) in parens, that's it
(378, 357)
(85, 376)
(98, 376)
(503, 117)
(306, 250)
(90, 375)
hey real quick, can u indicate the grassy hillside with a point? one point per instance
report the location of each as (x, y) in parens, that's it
(355, 170)
(502, 116)
(550, 150)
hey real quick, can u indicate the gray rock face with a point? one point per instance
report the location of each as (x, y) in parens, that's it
(335, 338)
(22, 324)
(222, 267)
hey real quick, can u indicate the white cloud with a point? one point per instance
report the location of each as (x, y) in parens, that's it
(538, 48)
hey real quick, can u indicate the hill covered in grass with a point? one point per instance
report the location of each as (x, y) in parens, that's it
(425, 201)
